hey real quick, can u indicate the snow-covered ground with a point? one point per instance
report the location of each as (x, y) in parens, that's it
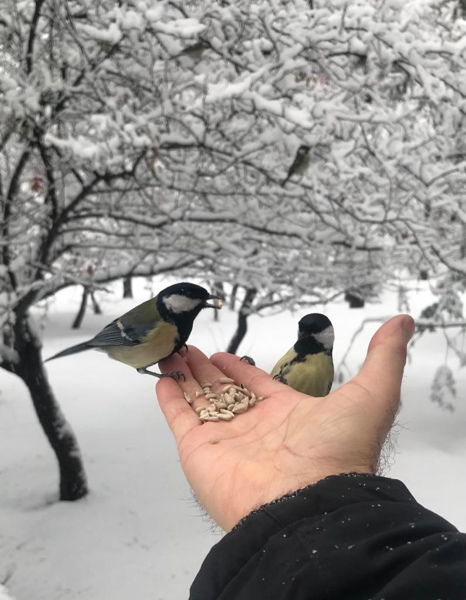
(139, 534)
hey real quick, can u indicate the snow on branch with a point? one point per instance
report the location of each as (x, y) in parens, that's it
(154, 138)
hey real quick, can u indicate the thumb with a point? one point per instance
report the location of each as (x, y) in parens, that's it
(383, 368)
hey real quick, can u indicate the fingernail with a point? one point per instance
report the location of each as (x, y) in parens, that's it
(408, 325)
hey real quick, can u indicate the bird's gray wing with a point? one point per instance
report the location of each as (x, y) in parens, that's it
(116, 334)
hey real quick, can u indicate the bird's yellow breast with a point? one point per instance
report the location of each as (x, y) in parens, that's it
(313, 376)
(159, 344)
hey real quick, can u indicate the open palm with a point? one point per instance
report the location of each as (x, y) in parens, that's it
(288, 441)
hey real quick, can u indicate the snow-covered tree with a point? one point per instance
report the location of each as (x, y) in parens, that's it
(148, 136)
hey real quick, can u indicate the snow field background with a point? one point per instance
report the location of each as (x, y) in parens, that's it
(139, 534)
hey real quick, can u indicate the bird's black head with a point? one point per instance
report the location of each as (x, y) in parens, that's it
(319, 328)
(181, 303)
(185, 298)
(303, 150)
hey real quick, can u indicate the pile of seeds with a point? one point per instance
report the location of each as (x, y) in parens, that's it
(232, 400)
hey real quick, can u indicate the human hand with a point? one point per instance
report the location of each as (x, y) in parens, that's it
(289, 440)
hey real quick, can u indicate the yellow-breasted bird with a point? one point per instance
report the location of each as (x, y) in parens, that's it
(299, 165)
(153, 330)
(308, 366)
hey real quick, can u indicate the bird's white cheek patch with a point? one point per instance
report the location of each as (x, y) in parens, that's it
(177, 303)
(325, 337)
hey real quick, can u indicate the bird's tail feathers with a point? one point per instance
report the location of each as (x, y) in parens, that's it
(72, 350)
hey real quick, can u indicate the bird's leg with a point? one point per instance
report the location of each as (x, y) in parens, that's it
(279, 377)
(249, 360)
(176, 375)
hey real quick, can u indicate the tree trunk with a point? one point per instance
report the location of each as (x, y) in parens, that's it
(82, 310)
(354, 300)
(218, 290)
(234, 291)
(128, 287)
(30, 369)
(242, 326)
(95, 305)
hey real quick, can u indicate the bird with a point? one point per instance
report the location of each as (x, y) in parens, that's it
(151, 331)
(308, 366)
(299, 165)
(196, 50)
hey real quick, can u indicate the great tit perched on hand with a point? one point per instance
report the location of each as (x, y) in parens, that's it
(299, 165)
(308, 366)
(153, 330)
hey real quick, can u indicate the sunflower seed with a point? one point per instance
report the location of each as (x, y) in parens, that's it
(200, 409)
(214, 441)
(231, 401)
(224, 411)
(225, 417)
(241, 389)
(205, 384)
(188, 398)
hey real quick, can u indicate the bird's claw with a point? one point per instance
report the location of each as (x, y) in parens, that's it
(280, 378)
(249, 360)
(176, 375)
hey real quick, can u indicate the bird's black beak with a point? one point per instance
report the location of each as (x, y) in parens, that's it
(218, 302)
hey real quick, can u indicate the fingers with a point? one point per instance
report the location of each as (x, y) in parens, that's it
(180, 416)
(256, 380)
(383, 368)
(202, 369)
(198, 372)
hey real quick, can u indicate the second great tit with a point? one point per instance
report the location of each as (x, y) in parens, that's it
(153, 330)
(308, 366)
(299, 165)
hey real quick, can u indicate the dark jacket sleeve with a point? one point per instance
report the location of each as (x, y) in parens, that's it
(348, 537)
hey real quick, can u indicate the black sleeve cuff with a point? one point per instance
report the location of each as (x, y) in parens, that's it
(347, 536)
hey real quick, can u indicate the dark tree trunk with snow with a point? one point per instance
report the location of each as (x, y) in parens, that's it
(242, 326)
(30, 369)
(128, 287)
(82, 310)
